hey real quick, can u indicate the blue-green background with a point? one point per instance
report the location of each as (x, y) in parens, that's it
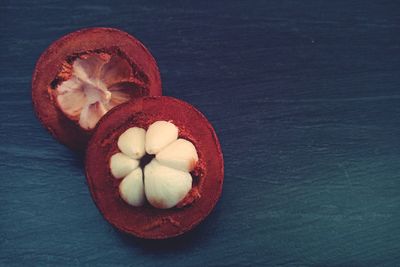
(304, 96)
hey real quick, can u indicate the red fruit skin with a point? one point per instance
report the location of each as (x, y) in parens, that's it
(147, 221)
(50, 65)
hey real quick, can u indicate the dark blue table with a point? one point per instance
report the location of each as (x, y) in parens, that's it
(305, 98)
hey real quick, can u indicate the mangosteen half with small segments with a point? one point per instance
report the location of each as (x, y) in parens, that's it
(83, 75)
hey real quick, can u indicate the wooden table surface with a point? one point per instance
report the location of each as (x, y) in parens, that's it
(304, 96)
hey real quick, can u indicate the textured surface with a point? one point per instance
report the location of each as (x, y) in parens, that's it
(305, 100)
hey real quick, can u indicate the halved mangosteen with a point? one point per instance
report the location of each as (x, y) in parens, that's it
(154, 167)
(84, 74)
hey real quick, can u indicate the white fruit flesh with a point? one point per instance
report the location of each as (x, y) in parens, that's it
(71, 98)
(131, 188)
(165, 187)
(121, 165)
(180, 154)
(90, 115)
(131, 142)
(159, 135)
(167, 178)
(94, 88)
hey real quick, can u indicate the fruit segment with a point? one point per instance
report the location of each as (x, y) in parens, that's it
(165, 187)
(71, 97)
(131, 188)
(131, 142)
(91, 114)
(159, 135)
(121, 165)
(180, 154)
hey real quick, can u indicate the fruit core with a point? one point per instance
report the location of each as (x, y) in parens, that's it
(91, 83)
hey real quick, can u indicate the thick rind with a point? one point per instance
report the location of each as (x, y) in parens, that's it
(50, 64)
(148, 222)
